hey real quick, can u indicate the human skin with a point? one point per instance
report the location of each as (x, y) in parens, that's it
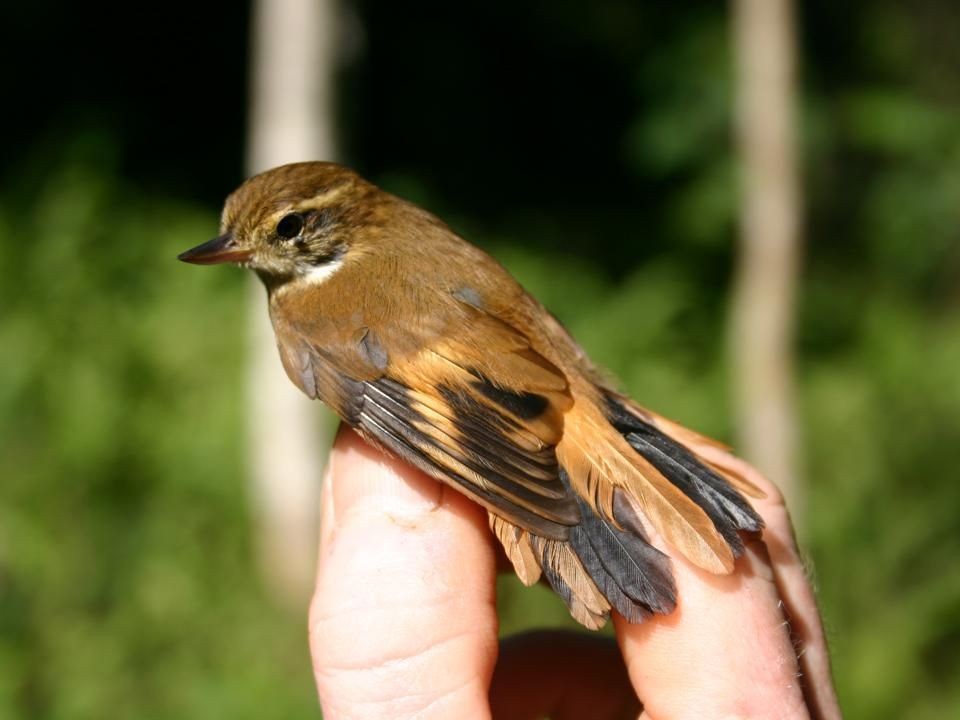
(403, 621)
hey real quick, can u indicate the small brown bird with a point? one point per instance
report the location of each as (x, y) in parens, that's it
(434, 353)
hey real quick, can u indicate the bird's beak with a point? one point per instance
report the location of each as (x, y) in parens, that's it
(219, 250)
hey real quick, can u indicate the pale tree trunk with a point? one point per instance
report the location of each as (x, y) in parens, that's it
(764, 299)
(291, 119)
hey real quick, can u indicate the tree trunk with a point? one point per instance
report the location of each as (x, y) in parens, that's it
(291, 119)
(764, 299)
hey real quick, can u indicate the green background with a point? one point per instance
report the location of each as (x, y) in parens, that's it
(588, 146)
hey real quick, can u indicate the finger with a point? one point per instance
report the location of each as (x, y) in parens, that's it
(561, 675)
(790, 576)
(402, 622)
(726, 650)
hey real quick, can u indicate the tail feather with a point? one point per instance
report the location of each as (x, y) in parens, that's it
(724, 506)
(625, 416)
(519, 549)
(599, 461)
(729, 470)
(606, 560)
(564, 570)
(634, 576)
(618, 599)
(600, 565)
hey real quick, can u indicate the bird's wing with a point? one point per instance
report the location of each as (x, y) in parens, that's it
(474, 406)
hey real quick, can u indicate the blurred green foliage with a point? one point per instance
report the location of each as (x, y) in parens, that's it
(127, 587)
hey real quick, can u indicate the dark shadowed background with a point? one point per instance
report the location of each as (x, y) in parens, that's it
(586, 145)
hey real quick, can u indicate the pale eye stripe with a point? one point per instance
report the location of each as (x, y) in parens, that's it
(320, 202)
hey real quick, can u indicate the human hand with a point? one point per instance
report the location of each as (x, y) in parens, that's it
(403, 622)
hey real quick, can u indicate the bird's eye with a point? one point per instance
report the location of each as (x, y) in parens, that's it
(290, 226)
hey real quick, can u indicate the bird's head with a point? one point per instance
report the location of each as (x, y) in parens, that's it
(293, 221)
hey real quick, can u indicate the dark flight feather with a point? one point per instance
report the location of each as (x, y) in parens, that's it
(492, 435)
(394, 423)
(524, 405)
(625, 560)
(727, 509)
(570, 579)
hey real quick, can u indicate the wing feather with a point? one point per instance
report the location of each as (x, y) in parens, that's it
(560, 469)
(461, 421)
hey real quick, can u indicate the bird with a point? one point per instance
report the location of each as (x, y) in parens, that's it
(431, 350)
